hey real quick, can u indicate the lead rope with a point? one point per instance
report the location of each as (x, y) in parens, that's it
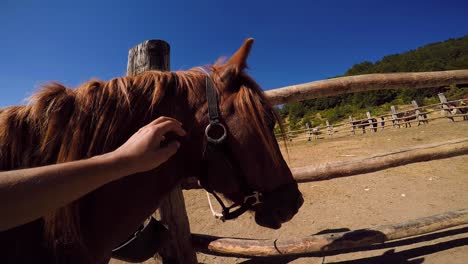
(215, 214)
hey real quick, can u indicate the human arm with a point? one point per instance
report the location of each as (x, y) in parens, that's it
(28, 194)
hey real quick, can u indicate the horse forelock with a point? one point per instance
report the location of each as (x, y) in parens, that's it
(250, 103)
(254, 109)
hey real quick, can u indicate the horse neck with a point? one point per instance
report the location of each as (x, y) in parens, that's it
(114, 211)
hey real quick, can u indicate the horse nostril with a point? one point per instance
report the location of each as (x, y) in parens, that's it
(300, 201)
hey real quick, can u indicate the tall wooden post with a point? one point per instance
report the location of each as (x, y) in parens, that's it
(371, 122)
(329, 128)
(445, 108)
(308, 132)
(417, 112)
(353, 127)
(154, 55)
(395, 120)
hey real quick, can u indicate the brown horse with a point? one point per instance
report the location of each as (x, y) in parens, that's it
(408, 116)
(363, 123)
(61, 124)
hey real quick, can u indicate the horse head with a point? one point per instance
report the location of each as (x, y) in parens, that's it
(247, 167)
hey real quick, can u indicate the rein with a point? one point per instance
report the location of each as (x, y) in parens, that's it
(216, 146)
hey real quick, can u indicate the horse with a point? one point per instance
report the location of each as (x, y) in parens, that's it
(315, 132)
(423, 119)
(61, 124)
(365, 123)
(408, 116)
(463, 110)
(459, 108)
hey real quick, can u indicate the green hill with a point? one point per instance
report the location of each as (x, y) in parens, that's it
(447, 55)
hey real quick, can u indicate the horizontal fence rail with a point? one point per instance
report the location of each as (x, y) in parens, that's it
(391, 159)
(367, 82)
(382, 161)
(328, 242)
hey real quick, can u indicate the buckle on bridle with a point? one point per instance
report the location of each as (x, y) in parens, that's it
(212, 125)
(256, 195)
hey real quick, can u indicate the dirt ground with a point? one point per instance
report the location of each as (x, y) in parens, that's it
(385, 197)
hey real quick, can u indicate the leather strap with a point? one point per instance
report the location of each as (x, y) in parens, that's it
(212, 99)
(221, 150)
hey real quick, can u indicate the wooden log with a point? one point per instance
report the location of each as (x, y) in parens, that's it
(155, 55)
(458, 100)
(367, 82)
(328, 242)
(399, 157)
(382, 161)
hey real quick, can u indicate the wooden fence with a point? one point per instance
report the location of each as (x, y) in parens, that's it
(179, 248)
(328, 242)
(394, 119)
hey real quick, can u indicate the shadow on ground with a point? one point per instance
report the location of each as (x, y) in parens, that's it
(409, 256)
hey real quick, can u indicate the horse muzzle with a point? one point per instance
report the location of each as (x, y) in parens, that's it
(279, 206)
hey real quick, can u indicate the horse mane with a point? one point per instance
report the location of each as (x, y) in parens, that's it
(60, 124)
(250, 99)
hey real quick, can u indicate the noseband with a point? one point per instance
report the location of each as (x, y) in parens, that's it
(216, 145)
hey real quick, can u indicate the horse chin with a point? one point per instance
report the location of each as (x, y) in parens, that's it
(269, 222)
(268, 216)
(279, 207)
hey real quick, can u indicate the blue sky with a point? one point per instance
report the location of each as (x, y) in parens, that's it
(295, 41)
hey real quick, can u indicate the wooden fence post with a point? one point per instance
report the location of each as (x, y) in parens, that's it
(154, 55)
(445, 108)
(308, 132)
(371, 122)
(289, 133)
(352, 126)
(395, 120)
(419, 116)
(329, 128)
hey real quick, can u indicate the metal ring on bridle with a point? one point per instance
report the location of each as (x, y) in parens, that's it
(215, 140)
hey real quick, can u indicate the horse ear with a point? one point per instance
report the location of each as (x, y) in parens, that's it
(237, 63)
(239, 59)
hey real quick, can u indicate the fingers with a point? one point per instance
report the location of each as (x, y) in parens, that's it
(165, 127)
(168, 151)
(160, 127)
(162, 119)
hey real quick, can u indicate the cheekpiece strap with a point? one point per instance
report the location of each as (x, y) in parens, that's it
(212, 98)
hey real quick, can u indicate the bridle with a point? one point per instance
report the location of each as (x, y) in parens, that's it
(217, 146)
(214, 146)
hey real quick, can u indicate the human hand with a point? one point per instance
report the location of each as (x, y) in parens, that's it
(143, 151)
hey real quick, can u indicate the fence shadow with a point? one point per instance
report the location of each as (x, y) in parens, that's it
(389, 256)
